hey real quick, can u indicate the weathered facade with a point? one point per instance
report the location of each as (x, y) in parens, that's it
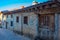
(29, 28)
(41, 19)
(1, 19)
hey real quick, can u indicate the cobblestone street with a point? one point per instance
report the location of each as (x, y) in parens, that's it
(10, 35)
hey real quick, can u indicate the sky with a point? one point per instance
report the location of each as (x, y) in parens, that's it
(12, 4)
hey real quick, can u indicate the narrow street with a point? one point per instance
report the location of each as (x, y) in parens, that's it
(10, 35)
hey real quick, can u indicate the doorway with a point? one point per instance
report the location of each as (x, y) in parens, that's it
(46, 25)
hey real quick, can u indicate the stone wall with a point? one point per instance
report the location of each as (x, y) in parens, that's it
(28, 29)
(31, 27)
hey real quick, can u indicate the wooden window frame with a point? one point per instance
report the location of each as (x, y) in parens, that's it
(25, 20)
(11, 23)
(17, 19)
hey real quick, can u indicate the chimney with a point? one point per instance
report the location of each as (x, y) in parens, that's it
(22, 7)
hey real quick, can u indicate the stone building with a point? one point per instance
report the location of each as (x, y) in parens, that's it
(0, 19)
(42, 19)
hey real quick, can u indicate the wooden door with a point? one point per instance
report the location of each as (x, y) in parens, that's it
(46, 25)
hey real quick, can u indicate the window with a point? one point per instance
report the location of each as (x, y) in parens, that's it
(25, 20)
(11, 23)
(17, 19)
(46, 20)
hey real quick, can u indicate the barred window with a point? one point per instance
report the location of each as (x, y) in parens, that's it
(45, 20)
(25, 20)
(17, 19)
(11, 23)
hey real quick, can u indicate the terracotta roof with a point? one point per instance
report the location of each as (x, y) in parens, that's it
(26, 8)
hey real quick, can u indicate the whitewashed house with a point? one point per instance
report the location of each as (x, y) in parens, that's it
(42, 19)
